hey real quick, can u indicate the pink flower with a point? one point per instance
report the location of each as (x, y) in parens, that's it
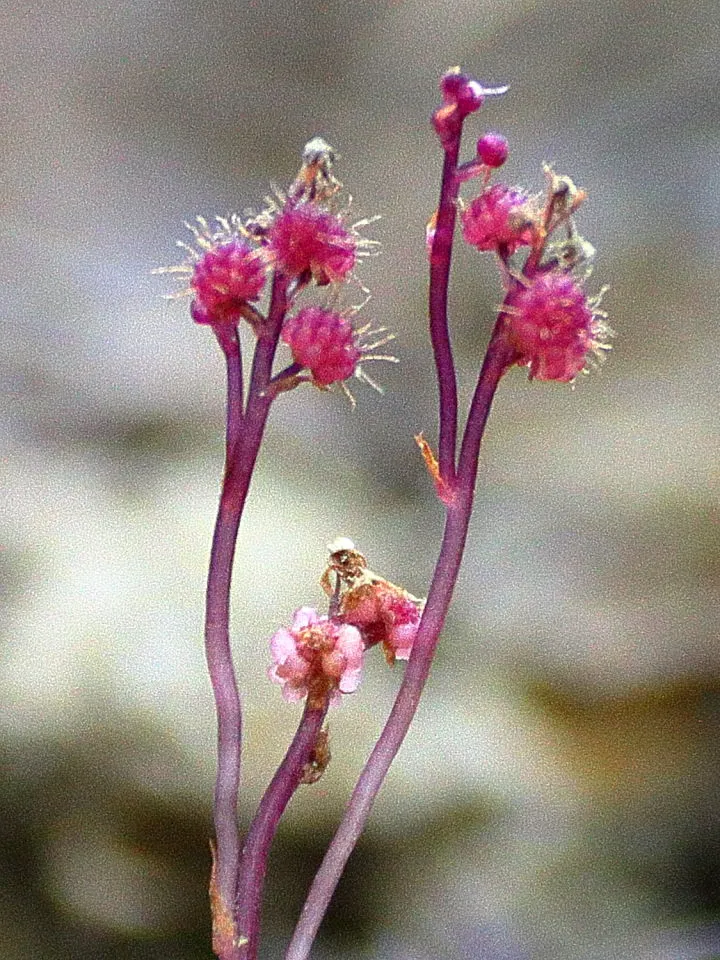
(224, 270)
(316, 658)
(306, 239)
(323, 341)
(384, 614)
(499, 218)
(553, 326)
(225, 277)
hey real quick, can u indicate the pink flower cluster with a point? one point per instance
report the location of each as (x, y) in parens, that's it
(321, 657)
(301, 238)
(303, 241)
(324, 342)
(308, 241)
(228, 275)
(552, 325)
(499, 219)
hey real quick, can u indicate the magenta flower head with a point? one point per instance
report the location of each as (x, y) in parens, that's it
(553, 326)
(323, 341)
(226, 277)
(317, 658)
(225, 270)
(307, 241)
(326, 343)
(501, 218)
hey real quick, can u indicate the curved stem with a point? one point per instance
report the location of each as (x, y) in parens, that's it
(259, 397)
(440, 261)
(498, 358)
(217, 641)
(262, 830)
(418, 667)
(244, 435)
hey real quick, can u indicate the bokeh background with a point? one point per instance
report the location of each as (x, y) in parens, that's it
(557, 798)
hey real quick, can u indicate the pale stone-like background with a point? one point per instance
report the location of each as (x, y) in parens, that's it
(557, 798)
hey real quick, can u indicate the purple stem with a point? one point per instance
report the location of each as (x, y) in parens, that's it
(229, 342)
(244, 435)
(440, 261)
(262, 830)
(290, 371)
(441, 590)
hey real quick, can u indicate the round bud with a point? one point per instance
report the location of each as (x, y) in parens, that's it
(492, 150)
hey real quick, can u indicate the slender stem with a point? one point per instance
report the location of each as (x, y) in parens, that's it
(418, 667)
(259, 397)
(219, 656)
(244, 436)
(498, 358)
(262, 830)
(440, 261)
(230, 344)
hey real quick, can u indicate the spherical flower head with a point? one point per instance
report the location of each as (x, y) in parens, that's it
(384, 614)
(226, 276)
(492, 150)
(553, 326)
(323, 341)
(317, 657)
(305, 239)
(500, 218)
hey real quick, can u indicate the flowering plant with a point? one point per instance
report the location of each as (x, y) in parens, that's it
(302, 240)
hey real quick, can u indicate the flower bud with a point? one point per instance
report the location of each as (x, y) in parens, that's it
(492, 150)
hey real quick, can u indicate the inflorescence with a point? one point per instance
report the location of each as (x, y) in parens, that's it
(304, 238)
(555, 329)
(321, 656)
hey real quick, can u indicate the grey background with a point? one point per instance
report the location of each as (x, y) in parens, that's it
(557, 797)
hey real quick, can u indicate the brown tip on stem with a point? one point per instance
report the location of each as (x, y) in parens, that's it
(442, 488)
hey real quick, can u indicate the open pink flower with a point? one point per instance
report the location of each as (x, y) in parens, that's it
(316, 658)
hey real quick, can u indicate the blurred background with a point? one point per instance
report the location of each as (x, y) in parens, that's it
(557, 798)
